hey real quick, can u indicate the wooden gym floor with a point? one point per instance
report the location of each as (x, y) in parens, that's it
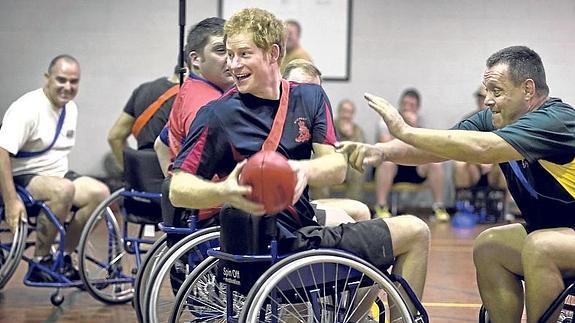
(450, 294)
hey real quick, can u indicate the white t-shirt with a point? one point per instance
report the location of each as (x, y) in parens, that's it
(29, 125)
(381, 128)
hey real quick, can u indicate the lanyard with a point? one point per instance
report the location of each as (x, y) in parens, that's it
(28, 154)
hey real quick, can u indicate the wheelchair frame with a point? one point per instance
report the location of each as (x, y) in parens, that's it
(20, 239)
(282, 268)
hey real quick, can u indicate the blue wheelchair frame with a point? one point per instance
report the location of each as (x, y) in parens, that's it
(33, 208)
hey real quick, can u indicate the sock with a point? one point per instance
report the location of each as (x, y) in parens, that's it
(437, 205)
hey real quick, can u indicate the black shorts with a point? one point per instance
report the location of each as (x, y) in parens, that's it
(369, 240)
(408, 174)
(320, 215)
(24, 179)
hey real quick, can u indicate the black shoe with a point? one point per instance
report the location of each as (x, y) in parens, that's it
(68, 269)
(39, 276)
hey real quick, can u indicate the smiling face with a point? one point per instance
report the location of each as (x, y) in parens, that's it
(254, 69)
(212, 63)
(62, 82)
(506, 100)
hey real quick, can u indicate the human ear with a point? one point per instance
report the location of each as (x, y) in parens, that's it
(274, 53)
(195, 60)
(529, 89)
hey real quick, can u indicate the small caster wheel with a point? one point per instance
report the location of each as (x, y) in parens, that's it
(56, 299)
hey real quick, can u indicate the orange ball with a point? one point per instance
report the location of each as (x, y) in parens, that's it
(272, 180)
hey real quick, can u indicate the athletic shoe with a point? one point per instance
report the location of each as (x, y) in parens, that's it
(68, 269)
(441, 214)
(37, 275)
(382, 212)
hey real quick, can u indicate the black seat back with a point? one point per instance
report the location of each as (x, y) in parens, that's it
(142, 173)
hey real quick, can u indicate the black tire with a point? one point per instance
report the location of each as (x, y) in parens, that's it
(159, 296)
(108, 265)
(12, 247)
(147, 266)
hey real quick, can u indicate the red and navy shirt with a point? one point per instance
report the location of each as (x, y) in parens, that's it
(235, 126)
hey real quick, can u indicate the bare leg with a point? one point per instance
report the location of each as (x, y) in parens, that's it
(354, 181)
(497, 258)
(89, 193)
(357, 210)
(435, 180)
(465, 175)
(496, 179)
(384, 175)
(411, 238)
(58, 194)
(547, 257)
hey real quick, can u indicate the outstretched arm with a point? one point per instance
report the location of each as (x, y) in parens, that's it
(462, 145)
(361, 155)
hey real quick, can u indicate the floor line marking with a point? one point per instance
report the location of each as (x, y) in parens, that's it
(469, 305)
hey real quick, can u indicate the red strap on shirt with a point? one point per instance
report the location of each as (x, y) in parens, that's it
(273, 139)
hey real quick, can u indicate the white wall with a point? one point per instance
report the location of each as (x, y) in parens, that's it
(437, 46)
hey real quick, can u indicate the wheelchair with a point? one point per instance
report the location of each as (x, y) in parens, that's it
(167, 269)
(121, 230)
(14, 245)
(564, 301)
(158, 291)
(318, 285)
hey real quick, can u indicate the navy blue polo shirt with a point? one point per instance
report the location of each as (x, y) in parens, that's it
(235, 126)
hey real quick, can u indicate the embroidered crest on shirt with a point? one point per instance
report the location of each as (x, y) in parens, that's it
(303, 131)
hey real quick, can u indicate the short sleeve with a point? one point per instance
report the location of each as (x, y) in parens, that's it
(205, 147)
(323, 126)
(130, 107)
(480, 121)
(18, 125)
(542, 134)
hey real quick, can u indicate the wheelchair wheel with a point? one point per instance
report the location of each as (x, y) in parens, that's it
(176, 264)
(322, 286)
(147, 266)
(202, 299)
(12, 247)
(107, 265)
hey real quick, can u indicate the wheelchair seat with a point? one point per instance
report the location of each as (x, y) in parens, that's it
(143, 175)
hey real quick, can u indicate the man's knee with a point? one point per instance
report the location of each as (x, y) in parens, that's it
(99, 192)
(485, 245)
(408, 232)
(93, 191)
(419, 229)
